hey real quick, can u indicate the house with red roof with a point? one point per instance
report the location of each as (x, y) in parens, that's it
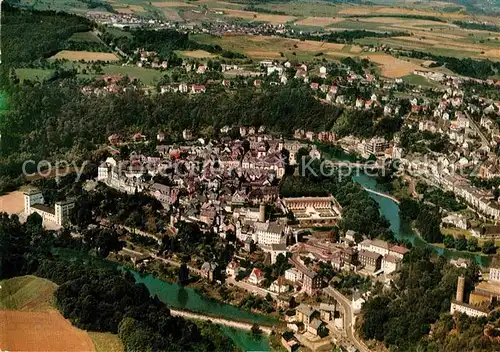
(256, 277)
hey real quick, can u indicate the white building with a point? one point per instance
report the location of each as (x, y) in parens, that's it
(34, 203)
(293, 275)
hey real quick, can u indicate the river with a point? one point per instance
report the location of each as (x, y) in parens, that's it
(402, 229)
(179, 297)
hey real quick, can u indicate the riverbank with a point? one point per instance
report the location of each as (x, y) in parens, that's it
(177, 297)
(402, 230)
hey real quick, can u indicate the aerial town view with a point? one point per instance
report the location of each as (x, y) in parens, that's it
(249, 175)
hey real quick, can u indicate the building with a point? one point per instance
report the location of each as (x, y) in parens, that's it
(375, 145)
(278, 286)
(277, 249)
(370, 260)
(458, 305)
(311, 282)
(233, 268)
(305, 314)
(256, 277)
(390, 263)
(293, 275)
(327, 312)
(313, 211)
(34, 203)
(208, 271)
(269, 233)
(494, 275)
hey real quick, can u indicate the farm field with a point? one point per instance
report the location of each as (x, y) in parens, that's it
(33, 74)
(197, 54)
(30, 322)
(12, 203)
(41, 331)
(146, 75)
(85, 56)
(261, 47)
(256, 16)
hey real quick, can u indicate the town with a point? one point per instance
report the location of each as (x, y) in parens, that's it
(179, 193)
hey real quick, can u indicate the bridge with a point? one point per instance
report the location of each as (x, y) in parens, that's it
(385, 195)
(368, 165)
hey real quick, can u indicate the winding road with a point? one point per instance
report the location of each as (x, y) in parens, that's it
(348, 318)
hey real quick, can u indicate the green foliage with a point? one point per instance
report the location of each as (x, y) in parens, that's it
(478, 26)
(467, 67)
(423, 142)
(409, 208)
(402, 318)
(348, 37)
(57, 116)
(30, 35)
(428, 224)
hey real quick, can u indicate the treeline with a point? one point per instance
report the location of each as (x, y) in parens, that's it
(479, 26)
(164, 42)
(98, 297)
(29, 35)
(465, 67)
(416, 17)
(420, 295)
(263, 10)
(348, 36)
(57, 117)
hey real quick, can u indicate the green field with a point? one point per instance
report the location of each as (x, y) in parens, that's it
(27, 293)
(33, 74)
(419, 81)
(145, 75)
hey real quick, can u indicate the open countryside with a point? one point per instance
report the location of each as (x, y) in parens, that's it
(85, 56)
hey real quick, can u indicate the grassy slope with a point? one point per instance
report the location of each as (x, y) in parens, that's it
(31, 293)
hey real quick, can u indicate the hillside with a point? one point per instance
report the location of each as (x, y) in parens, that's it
(33, 294)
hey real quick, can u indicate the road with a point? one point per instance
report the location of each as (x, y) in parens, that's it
(220, 321)
(474, 125)
(348, 318)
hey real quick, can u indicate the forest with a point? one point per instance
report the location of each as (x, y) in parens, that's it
(348, 37)
(98, 297)
(467, 67)
(30, 35)
(413, 316)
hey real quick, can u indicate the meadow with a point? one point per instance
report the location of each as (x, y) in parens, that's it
(29, 321)
(87, 56)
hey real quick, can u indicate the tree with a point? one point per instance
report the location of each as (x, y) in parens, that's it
(461, 243)
(256, 329)
(472, 244)
(449, 241)
(489, 247)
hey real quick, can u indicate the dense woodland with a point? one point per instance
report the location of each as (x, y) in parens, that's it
(466, 67)
(348, 37)
(420, 297)
(98, 297)
(30, 35)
